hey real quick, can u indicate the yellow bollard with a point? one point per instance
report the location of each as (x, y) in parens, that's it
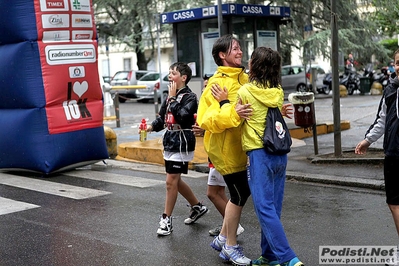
(343, 92)
(110, 138)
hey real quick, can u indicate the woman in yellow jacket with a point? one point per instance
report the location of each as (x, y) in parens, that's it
(266, 172)
(222, 140)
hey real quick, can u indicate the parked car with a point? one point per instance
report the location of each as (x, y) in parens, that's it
(127, 78)
(107, 79)
(152, 81)
(294, 78)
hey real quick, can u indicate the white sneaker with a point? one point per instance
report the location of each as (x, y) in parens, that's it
(165, 226)
(235, 255)
(196, 212)
(240, 230)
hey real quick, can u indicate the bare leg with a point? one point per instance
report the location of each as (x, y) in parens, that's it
(217, 195)
(230, 223)
(186, 192)
(172, 181)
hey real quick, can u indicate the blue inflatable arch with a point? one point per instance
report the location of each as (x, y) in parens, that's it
(51, 109)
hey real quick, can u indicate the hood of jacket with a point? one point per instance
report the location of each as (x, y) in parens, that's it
(261, 99)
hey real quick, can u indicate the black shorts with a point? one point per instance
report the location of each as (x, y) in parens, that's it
(391, 178)
(237, 184)
(172, 167)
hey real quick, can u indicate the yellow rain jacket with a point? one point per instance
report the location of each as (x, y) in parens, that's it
(222, 139)
(260, 99)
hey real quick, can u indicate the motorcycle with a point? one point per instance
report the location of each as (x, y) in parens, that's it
(381, 77)
(350, 79)
(327, 84)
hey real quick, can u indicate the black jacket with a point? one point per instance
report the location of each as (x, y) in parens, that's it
(387, 120)
(183, 112)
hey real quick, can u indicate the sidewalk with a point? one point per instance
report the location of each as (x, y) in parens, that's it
(363, 171)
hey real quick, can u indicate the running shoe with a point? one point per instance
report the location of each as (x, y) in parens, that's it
(294, 262)
(235, 256)
(215, 231)
(165, 226)
(217, 243)
(262, 261)
(240, 230)
(195, 213)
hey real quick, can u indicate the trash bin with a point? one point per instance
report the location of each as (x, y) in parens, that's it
(365, 85)
(303, 108)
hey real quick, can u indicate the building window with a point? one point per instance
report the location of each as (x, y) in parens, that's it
(127, 64)
(105, 67)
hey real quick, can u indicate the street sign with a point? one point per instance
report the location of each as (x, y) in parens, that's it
(227, 9)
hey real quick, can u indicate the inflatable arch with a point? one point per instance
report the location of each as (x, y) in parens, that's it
(51, 108)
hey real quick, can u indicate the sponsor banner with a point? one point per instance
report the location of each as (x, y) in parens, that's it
(51, 107)
(56, 36)
(68, 56)
(82, 35)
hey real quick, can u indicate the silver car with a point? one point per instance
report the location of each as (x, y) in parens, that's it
(123, 78)
(295, 78)
(152, 81)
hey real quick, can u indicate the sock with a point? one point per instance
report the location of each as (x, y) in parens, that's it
(164, 215)
(222, 238)
(231, 247)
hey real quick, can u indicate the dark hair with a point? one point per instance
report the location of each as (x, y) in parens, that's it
(222, 44)
(206, 77)
(265, 67)
(395, 53)
(183, 69)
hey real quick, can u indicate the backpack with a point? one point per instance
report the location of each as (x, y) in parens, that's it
(276, 137)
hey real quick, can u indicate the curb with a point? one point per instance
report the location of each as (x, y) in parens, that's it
(335, 180)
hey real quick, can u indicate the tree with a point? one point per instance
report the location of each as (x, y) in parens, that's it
(134, 23)
(386, 16)
(357, 32)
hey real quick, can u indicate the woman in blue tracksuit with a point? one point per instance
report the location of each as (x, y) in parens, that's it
(266, 172)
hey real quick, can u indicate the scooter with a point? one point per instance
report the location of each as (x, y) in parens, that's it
(351, 80)
(327, 84)
(382, 77)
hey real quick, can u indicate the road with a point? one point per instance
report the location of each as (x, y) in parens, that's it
(108, 214)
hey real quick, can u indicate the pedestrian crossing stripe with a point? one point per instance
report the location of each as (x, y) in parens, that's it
(9, 206)
(126, 180)
(50, 187)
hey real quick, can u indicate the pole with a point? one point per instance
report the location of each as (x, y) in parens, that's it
(116, 104)
(335, 80)
(159, 67)
(220, 18)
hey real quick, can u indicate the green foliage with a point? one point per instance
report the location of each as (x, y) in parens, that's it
(391, 45)
(133, 22)
(386, 16)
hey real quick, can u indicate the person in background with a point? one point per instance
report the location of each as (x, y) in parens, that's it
(177, 114)
(350, 61)
(387, 124)
(391, 68)
(216, 190)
